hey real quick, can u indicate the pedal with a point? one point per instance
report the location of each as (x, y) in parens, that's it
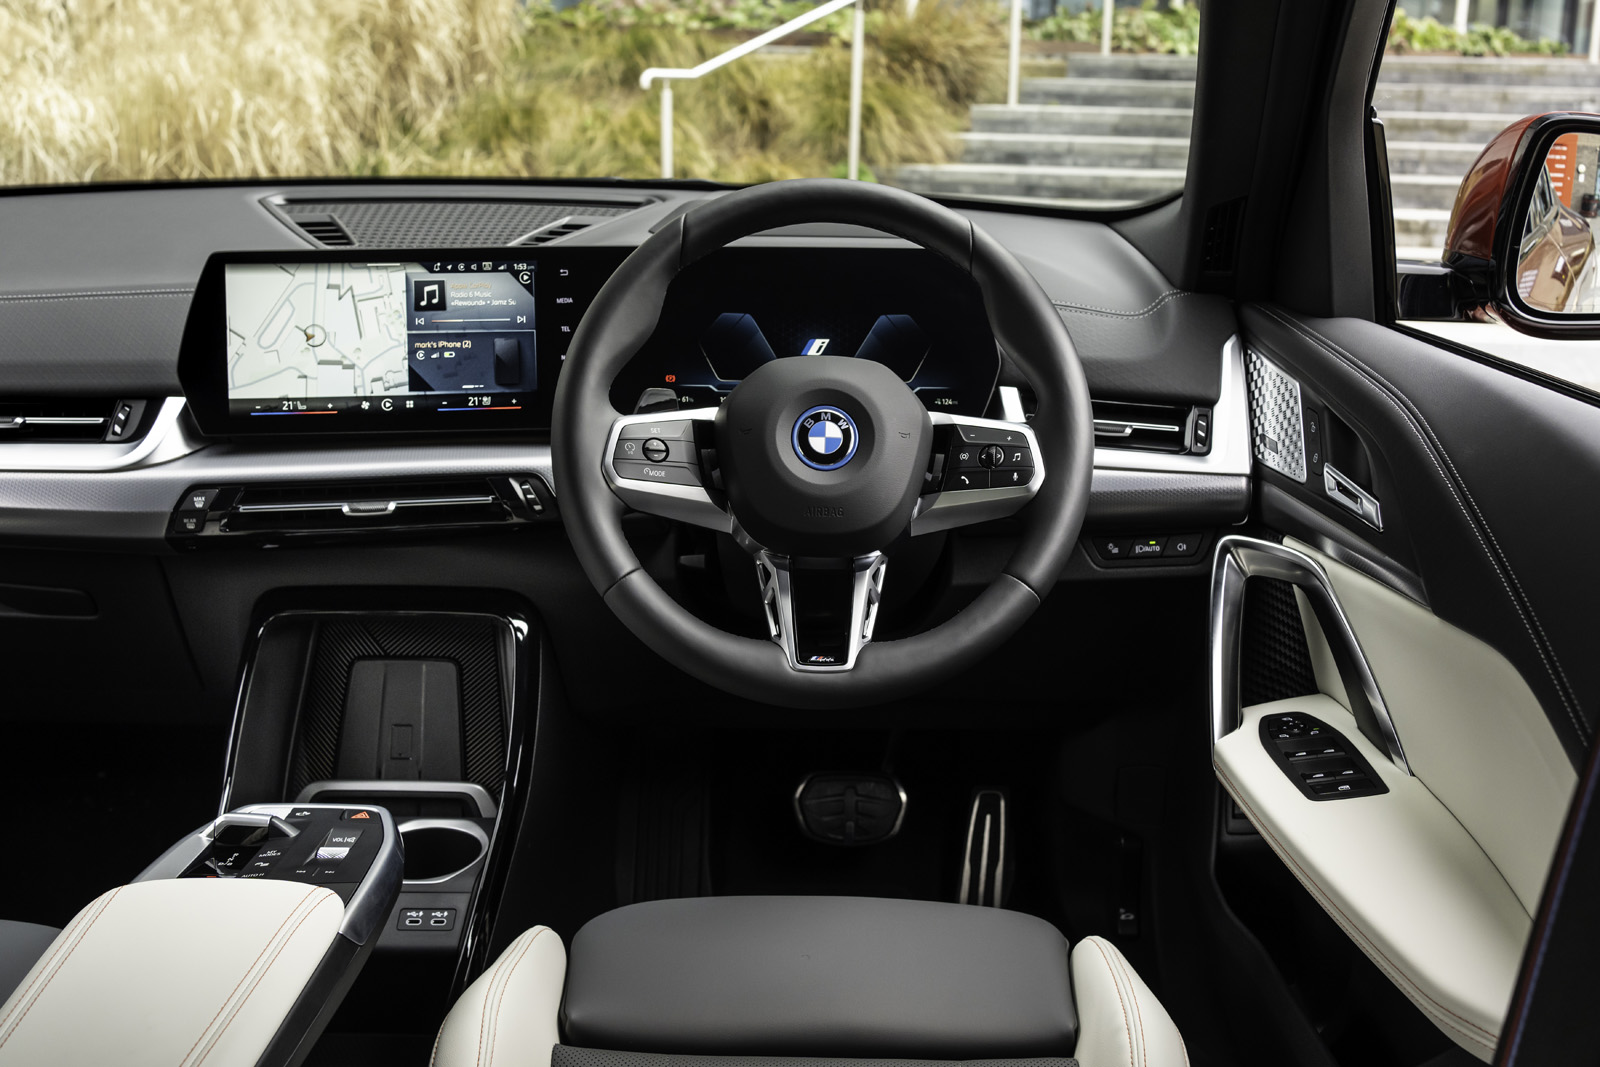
(850, 809)
(983, 868)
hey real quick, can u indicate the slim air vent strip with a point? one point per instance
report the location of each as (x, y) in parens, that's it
(1144, 427)
(59, 419)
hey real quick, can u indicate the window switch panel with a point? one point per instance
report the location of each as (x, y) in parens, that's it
(1317, 759)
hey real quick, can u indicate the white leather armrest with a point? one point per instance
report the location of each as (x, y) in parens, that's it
(171, 972)
(509, 1015)
(1397, 872)
(1120, 1022)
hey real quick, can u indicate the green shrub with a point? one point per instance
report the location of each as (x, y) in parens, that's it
(1149, 27)
(1409, 34)
(114, 90)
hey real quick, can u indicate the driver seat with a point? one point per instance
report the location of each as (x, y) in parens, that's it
(808, 982)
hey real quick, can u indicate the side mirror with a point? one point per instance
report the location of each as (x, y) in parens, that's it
(1521, 246)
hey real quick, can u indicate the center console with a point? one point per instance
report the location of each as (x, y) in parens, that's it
(362, 732)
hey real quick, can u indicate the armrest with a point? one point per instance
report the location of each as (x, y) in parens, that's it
(180, 970)
(1397, 872)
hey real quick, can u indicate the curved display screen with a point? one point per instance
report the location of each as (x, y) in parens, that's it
(307, 340)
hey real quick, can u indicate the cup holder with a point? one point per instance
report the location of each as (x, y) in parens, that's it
(435, 851)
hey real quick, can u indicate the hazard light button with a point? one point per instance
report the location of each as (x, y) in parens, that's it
(356, 813)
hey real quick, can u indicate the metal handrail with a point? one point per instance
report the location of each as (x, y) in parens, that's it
(667, 75)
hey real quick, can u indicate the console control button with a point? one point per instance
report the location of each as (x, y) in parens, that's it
(666, 473)
(345, 838)
(666, 430)
(1182, 545)
(1147, 548)
(356, 813)
(188, 522)
(197, 500)
(1112, 548)
(331, 853)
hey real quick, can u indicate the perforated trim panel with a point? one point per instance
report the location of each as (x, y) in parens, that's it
(1275, 661)
(444, 223)
(568, 1056)
(1277, 431)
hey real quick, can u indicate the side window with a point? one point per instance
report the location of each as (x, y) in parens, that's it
(1454, 75)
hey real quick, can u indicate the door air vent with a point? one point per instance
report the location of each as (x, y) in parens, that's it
(1146, 427)
(69, 419)
(325, 230)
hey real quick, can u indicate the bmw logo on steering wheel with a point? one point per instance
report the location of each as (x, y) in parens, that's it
(824, 438)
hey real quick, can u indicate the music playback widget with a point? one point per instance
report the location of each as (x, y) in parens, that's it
(470, 329)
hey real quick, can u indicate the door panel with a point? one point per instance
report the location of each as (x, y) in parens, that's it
(1473, 732)
(1450, 637)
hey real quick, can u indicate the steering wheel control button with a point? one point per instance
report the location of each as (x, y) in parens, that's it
(1019, 456)
(663, 473)
(673, 430)
(991, 435)
(1147, 548)
(825, 438)
(1009, 479)
(991, 456)
(958, 480)
(655, 450)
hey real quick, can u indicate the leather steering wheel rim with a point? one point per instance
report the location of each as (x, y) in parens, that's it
(623, 316)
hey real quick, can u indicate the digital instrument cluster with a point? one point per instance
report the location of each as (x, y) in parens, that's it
(743, 307)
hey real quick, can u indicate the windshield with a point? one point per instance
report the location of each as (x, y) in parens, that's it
(952, 97)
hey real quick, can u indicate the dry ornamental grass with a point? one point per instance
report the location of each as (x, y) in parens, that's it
(118, 90)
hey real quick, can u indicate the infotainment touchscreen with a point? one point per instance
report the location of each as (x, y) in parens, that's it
(382, 341)
(307, 341)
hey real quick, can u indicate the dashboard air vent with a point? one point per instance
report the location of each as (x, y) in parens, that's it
(1148, 427)
(564, 228)
(325, 230)
(55, 420)
(437, 223)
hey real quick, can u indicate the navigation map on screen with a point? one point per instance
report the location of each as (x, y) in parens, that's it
(320, 338)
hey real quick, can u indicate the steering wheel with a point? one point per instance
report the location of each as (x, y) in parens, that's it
(821, 458)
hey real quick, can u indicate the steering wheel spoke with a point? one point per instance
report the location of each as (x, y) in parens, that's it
(821, 612)
(981, 469)
(665, 464)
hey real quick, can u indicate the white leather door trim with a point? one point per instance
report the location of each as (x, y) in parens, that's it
(1473, 730)
(510, 1014)
(186, 971)
(1397, 872)
(1120, 1022)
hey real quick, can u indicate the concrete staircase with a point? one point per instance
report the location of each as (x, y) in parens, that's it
(1114, 130)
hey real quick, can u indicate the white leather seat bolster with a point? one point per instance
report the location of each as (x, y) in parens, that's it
(1120, 1022)
(509, 1016)
(171, 972)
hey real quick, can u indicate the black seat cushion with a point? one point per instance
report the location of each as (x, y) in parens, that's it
(21, 945)
(820, 976)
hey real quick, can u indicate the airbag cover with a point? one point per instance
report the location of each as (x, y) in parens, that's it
(820, 976)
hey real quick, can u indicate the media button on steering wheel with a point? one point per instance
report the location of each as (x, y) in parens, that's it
(825, 438)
